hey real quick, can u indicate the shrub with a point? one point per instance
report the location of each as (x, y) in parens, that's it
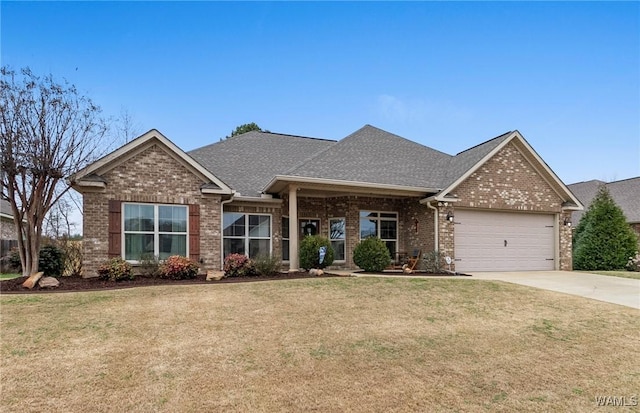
(72, 251)
(116, 269)
(432, 262)
(177, 267)
(238, 265)
(372, 255)
(149, 266)
(50, 261)
(267, 264)
(309, 252)
(603, 240)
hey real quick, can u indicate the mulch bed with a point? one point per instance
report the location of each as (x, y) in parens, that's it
(14, 285)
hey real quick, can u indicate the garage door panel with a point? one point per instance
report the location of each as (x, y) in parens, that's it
(480, 241)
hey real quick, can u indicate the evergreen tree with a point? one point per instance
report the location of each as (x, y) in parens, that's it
(603, 240)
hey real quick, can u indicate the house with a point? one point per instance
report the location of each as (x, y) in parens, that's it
(496, 206)
(625, 193)
(8, 233)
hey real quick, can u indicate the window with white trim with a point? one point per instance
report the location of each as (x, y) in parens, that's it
(153, 230)
(383, 225)
(337, 238)
(247, 234)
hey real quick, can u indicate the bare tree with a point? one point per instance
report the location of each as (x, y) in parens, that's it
(126, 127)
(48, 131)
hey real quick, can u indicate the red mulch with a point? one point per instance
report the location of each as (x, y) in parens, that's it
(14, 285)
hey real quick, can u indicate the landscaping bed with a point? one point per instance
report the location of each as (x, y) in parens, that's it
(14, 285)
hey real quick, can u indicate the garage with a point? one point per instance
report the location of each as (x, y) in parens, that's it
(503, 241)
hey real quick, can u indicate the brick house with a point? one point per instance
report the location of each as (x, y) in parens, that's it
(625, 193)
(496, 206)
(8, 233)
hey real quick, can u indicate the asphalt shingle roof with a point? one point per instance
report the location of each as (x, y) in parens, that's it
(249, 161)
(465, 160)
(375, 156)
(625, 193)
(5, 207)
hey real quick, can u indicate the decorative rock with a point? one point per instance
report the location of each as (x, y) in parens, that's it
(407, 270)
(48, 282)
(32, 280)
(214, 275)
(320, 272)
(313, 272)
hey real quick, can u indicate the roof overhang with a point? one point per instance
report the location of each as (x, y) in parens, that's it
(570, 202)
(90, 178)
(308, 186)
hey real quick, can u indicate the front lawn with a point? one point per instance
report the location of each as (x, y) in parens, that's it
(327, 345)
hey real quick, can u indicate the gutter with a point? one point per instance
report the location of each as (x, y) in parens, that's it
(222, 204)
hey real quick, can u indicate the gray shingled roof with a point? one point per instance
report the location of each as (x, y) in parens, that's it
(249, 161)
(626, 193)
(5, 207)
(375, 156)
(465, 160)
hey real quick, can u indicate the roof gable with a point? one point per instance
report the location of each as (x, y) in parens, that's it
(372, 155)
(467, 162)
(91, 176)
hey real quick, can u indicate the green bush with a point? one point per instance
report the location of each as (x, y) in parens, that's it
(432, 262)
(50, 260)
(238, 265)
(267, 264)
(372, 255)
(116, 269)
(149, 266)
(603, 240)
(177, 267)
(309, 252)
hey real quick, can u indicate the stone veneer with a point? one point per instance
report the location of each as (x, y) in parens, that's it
(151, 176)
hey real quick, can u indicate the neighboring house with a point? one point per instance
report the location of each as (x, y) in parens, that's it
(8, 233)
(496, 206)
(625, 193)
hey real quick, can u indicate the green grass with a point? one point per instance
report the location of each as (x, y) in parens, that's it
(9, 276)
(621, 273)
(329, 345)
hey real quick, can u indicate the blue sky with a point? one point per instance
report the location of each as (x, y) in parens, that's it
(449, 75)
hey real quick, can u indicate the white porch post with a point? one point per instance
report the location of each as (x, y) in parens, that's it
(293, 229)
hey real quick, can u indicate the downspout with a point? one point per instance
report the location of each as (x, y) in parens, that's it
(222, 204)
(436, 230)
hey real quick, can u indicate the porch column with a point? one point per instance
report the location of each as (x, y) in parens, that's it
(293, 228)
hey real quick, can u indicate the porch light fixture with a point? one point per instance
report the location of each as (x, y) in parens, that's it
(567, 222)
(449, 216)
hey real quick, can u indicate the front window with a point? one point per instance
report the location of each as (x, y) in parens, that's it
(383, 225)
(154, 231)
(337, 237)
(247, 234)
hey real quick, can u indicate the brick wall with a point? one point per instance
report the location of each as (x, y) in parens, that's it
(507, 182)
(151, 176)
(410, 235)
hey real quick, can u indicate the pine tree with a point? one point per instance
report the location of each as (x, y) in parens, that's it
(603, 240)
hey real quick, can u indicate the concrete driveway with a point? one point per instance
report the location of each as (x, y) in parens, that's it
(616, 290)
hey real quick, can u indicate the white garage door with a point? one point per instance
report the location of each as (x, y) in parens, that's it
(503, 241)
